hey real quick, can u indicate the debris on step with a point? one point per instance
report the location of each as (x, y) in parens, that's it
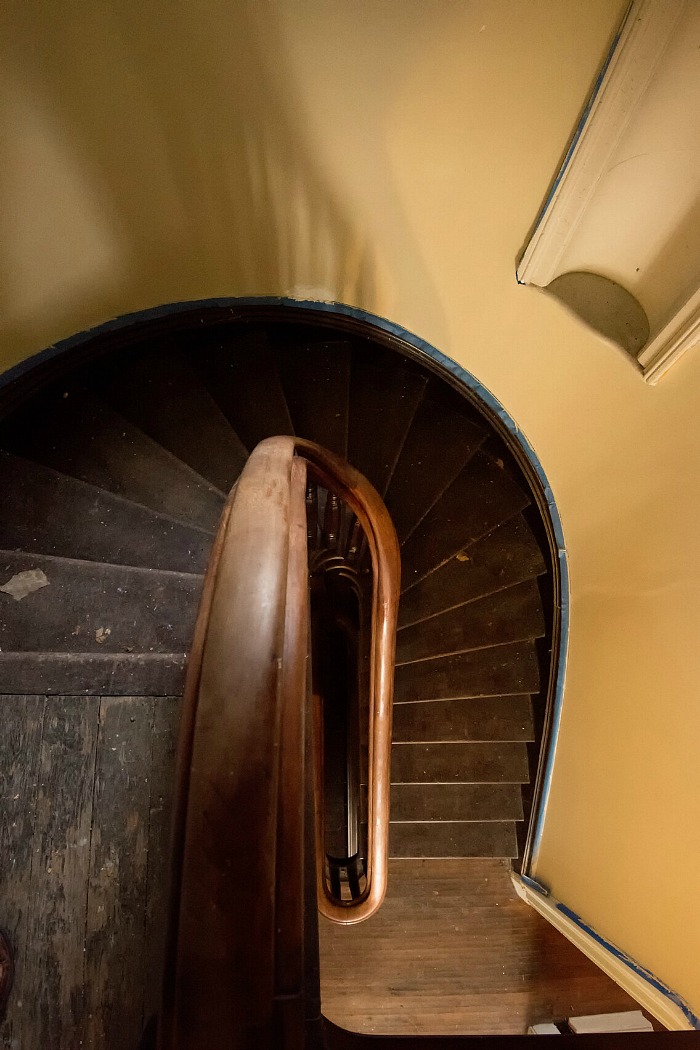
(24, 583)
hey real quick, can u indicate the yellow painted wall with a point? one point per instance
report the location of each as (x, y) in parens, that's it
(393, 155)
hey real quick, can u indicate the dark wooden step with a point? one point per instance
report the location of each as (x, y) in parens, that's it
(384, 396)
(455, 839)
(242, 377)
(480, 718)
(494, 671)
(442, 439)
(93, 674)
(502, 762)
(316, 382)
(506, 556)
(168, 400)
(474, 802)
(511, 615)
(45, 512)
(86, 606)
(480, 498)
(74, 432)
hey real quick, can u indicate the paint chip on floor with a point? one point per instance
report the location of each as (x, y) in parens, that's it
(24, 583)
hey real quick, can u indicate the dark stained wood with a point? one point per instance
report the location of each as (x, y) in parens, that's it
(480, 498)
(75, 433)
(485, 718)
(456, 802)
(454, 951)
(50, 513)
(511, 615)
(242, 377)
(87, 606)
(442, 439)
(453, 839)
(95, 674)
(504, 557)
(114, 964)
(21, 724)
(167, 399)
(384, 395)
(495, 671)
(316, 381)
(466, 763)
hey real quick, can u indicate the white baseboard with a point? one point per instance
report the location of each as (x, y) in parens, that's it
(651, 994)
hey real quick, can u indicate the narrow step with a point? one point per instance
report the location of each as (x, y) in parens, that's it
(504, 557)
(384, 397)
(457, 839)
(75, 433)
(511, 615)
(50, 513)
(166, 398)
(480, 499)
(464, 802)
(442, 439)
(242, 377)
(502, 762)
(87, 606)
(495, 671)
(482, 718)
(316, 382)
(93, 674)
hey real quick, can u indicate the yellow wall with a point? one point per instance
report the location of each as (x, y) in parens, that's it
(393, 156)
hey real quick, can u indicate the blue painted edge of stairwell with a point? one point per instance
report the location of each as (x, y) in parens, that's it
(466, 378)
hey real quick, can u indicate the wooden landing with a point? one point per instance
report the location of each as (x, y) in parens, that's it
(85, 785)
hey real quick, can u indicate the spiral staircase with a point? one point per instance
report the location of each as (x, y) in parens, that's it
(115, 462)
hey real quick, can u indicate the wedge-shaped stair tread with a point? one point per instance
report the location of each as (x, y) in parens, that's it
(494, 671)
(93, 674)
(465, 763)
(45, 512)
(316, 382)
(511, 615)
(76, 433)
(482, 718)
(474, 802)
(86, 606)
(384, 396)
(458, 839)
(507, 555)
(243, 379)
(442, 439)
(169, 401)
(480, 498)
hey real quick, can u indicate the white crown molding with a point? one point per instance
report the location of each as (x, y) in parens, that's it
(641, 41)
(650, 993)
(667, 347)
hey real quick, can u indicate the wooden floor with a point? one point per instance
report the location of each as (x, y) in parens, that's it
(85, 786)
(453, 951)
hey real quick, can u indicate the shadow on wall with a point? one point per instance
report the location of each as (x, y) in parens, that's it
(153, 153)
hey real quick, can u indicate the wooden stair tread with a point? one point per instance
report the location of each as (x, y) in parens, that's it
(316, 382)
(494, 762)
(493, 671)
(75, 433)
(50, 513)
(484, 718)
(243, 379)
(455, 839)
(94, 607)
(384, 396)
(93, 674)
(511, 615)
(442, 439)
(167, 399)
(464, 802)
(480, 499)
(506, 556)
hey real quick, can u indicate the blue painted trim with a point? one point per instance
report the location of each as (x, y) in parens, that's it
(641, 971)
(466, 378)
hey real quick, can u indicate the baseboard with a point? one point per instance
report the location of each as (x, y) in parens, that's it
(651, 994)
